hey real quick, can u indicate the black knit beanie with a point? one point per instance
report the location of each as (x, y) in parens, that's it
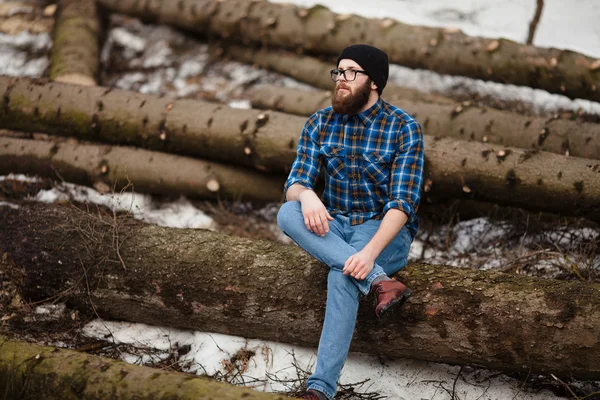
(372, 60)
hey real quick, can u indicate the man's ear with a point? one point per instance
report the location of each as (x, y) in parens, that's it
(373, 86)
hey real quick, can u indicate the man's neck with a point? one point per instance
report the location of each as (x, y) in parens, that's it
(373, 98)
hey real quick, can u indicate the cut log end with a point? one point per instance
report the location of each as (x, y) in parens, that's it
(213, 185)
(76, 79)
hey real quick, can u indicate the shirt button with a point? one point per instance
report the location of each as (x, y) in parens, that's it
(352, 156)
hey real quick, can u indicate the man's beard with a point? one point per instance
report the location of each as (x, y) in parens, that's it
(351, 103)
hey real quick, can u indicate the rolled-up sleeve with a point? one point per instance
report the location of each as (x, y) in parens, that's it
(307, 165)
(407, 171)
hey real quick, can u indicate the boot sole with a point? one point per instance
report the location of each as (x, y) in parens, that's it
(399, 302)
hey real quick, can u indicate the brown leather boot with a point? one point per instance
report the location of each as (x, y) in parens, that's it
(389, 293)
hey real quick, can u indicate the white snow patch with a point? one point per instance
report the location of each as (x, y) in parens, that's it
(127, 40)
(7, 204)
(210, 353)
(177, 214)
(19, 177)
(193, 67)
(158, 54)
(542, 101)
(16, 54)
(243, 104)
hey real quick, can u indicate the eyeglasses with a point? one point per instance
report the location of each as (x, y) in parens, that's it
(349, 74)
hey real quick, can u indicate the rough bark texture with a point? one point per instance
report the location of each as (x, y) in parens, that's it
(461, 121)
(201, 280)
(188, 127)
(75, 49)
(530, 179)
(315, 72)
(17, 24)
(113, 167)
(29, 371)
(312, 70)
(318, 30)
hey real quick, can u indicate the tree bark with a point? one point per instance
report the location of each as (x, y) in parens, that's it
(311, 70)
(76, 50)
(458, 120)
(29, 371)
(201, 280)
(318, 30)
(529, 179)
(264, 140)
(113, 167)
(315, 72)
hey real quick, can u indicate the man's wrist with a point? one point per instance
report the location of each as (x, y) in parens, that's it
(304, 193)
(370, 252)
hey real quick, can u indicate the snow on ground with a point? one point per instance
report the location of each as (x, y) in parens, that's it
(176, 214)
(264, 365)
(24, 54)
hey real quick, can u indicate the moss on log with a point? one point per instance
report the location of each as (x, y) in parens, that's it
(115, 167)
(267, 140)
(29, 371)
(458, 120)
(201, 280)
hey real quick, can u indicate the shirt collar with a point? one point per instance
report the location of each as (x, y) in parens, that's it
(368, 116)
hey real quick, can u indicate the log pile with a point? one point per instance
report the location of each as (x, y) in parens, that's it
(108, 138)
(202, 280)
(318, 30)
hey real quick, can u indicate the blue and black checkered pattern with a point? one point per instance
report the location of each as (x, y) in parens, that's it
(373, 162)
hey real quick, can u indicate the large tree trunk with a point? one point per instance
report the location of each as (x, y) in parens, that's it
(461, 121)
(318, 30)
(113, 167)
(264, 140)
(76, 43)
(530, 179)
(315, 72)
(311, 70)
(201, 280)
(29, 371)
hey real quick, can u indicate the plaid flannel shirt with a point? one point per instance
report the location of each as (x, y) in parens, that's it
(373, 162)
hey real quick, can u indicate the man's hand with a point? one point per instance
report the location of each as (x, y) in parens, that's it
(316, 217)
(359, 265)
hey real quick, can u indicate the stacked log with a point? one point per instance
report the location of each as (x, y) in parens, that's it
(35, 372)
(112, 168)
(202, 280)
(464, 121)
(320, 31)
(76, 47)
(267, 141)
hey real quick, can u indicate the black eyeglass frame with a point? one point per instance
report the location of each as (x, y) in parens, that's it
(342, 72)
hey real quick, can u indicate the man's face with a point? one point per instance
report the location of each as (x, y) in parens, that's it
(350, 97)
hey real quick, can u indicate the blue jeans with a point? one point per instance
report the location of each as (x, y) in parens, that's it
(333, 249)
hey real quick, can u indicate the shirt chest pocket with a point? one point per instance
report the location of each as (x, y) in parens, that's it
(377, 166)
(333, 158)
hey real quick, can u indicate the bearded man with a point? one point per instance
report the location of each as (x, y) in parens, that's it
(364, 224)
